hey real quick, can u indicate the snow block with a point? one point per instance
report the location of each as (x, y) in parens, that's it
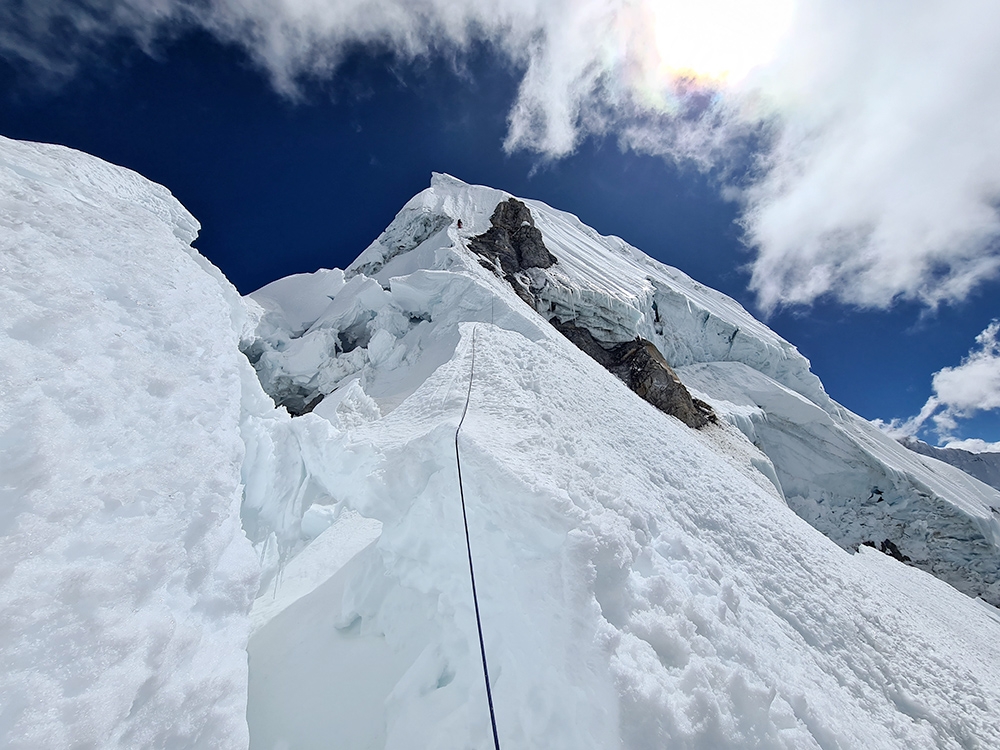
(125, 576)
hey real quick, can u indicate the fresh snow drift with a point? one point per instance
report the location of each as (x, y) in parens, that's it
(642, 584)
(125, 577)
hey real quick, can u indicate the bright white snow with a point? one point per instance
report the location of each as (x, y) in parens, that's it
(984, 465)
(125, 578)
(642, 584)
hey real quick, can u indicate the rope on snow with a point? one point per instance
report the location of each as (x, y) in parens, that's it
(468, 547)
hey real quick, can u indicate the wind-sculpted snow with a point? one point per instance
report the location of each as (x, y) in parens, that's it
(125, 578)
(859, 486)
(642, 584)
(983, 466)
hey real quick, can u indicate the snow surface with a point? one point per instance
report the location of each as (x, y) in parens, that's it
(852, 483)
(642, 584)
(984, 465)
(856, 484)
(125, 578)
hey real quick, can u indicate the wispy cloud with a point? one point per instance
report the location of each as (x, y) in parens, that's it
(878, 175)
(959, 393)
(883, 179)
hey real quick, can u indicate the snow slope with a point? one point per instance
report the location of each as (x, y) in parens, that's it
(847, 479)
(125, 578)
(983, 466)
(642, 584)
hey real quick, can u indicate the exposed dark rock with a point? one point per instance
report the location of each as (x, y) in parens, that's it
(585, 341)
(642, 368)
(887, 547)
(520, 289)
(527, 240)
(515, 243)
(513, 240)
(494, 245)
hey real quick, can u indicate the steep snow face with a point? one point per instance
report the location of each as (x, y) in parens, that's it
(854, 484)
(608, 286)
(642, 584)
(125, 578)
(858, 486)
(983, 466)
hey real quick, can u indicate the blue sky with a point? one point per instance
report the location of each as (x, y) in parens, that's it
(284, 186)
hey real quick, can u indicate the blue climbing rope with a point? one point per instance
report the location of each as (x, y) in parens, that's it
(468, 547)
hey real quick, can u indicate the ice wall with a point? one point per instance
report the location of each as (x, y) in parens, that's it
(642, 584)
(125, 577)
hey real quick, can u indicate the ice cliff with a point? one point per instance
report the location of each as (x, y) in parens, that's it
(642, 583)
(983, 466)
(125, 577)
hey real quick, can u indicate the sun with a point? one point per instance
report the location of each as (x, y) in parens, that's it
(718, 40)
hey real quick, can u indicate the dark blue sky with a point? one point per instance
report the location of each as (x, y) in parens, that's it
(282, 187)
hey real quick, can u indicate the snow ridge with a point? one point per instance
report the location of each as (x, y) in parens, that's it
(853, 484)
(643, 584)
(125, 579)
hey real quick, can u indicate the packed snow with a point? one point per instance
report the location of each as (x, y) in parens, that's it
(125, 577)
(642, 584)
(983, 465)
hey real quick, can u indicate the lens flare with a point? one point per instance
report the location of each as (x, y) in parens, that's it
(718, 41)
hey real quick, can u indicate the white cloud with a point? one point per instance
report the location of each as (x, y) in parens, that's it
(883, 178)
(879, 177)
(974, 445)
(959, 393)
(973, 385)
(564, 47)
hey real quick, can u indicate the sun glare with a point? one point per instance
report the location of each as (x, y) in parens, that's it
(718, 40)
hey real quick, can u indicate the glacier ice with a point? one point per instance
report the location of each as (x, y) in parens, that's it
(126, 579)
(657, 574)
(642, 584)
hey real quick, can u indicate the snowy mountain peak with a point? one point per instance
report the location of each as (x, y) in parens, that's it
(426, 274)
(624, 292)
(635, 558)
(640, 583)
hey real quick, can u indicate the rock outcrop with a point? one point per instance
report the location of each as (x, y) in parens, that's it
(513, 240)
(639, 364)
(512, 245)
